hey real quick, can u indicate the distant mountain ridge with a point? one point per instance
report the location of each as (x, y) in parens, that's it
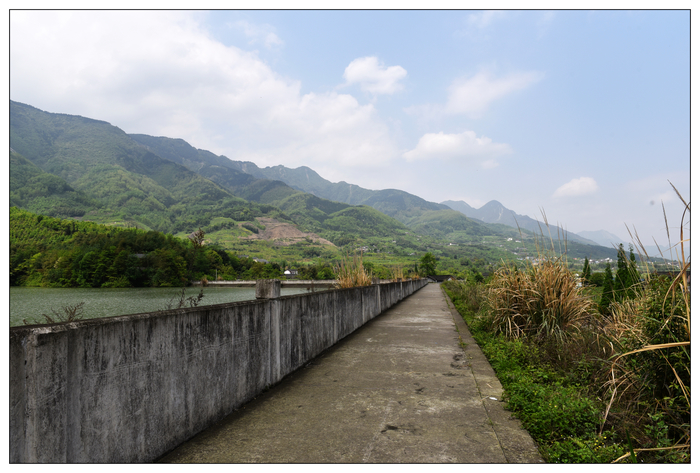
(409, 209)
(495, 212)
(399, 204)
(278, 185)
(396, 203)
(604, 238)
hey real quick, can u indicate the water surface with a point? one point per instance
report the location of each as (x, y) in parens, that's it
(29, 303)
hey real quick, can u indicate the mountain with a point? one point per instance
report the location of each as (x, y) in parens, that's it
(393, 202)
(71, 166)
(273, 185)
(218, 169)
(604, 238)
(495, 212)
(43, 193)
(123, 179)
(441, 220)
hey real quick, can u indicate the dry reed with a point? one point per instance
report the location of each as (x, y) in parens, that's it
(626, 333)
(541, 302)
(396, 273)
(352, 273)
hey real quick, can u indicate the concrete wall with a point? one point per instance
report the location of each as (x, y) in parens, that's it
(131, 388)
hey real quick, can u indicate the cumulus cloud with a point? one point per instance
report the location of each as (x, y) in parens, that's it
(577, 187)
(373, 76)
(464, 145)
(161, 73)
(472, 96)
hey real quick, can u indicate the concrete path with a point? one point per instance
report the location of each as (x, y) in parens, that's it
(411, 386)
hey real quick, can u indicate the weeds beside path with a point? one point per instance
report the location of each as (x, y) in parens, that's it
(590, 383)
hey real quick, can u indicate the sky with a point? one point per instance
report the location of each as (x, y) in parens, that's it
(582, 115)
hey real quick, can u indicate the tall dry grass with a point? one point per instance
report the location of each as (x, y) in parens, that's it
(396, 273)
(352, 273)
(541, 302)
(649, 342)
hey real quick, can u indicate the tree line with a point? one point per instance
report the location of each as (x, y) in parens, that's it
(47, 251)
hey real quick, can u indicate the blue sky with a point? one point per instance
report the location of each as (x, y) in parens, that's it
(585, 114)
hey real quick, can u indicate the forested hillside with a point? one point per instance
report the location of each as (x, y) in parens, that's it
(89, 170)
(218, 169)
(45, 193)
(47, 251)
(275, 184)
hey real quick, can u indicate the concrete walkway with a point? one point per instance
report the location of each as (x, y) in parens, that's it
(411, 386)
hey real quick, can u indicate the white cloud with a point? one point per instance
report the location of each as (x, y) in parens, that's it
(373, 76)
(464, 145)
(484, 19)
(259, 33)
(161, 73)
(472, 96)
(577, 187)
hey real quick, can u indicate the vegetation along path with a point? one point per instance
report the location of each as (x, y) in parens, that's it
(411, 386)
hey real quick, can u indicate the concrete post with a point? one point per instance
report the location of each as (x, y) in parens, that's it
(268, 288)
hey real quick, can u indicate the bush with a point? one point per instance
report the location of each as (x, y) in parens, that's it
(542, 302)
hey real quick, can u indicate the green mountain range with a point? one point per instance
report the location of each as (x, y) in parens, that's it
(75, 167)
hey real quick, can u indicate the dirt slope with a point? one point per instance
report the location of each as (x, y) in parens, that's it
(284, 233)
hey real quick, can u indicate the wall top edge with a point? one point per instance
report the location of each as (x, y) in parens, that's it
(65, 326)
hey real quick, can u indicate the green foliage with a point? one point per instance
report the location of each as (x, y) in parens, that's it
(586, 272)
(561, 397)
(448, 224)
(46, 251)
(555, 407)
(597, 279)
(627, 275)
(428, 265)
(608, 295)
(664, 374)
(44, 193)
(68, 166)
(469, 294)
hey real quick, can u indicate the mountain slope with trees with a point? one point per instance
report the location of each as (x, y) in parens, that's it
(275, 184)
(70, 166)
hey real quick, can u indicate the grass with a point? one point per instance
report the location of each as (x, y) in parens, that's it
(589, 388)
(68, 313)
(543, 301)
(351, 273)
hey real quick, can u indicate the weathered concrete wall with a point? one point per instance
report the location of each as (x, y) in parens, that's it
(131, 388)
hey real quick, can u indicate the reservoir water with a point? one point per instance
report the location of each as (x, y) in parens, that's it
(29, 303)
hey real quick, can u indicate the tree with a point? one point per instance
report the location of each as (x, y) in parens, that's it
(428, 265)
(633, 272)
(586, 273)
(608, 290)
(622, 273)
(627, 274)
